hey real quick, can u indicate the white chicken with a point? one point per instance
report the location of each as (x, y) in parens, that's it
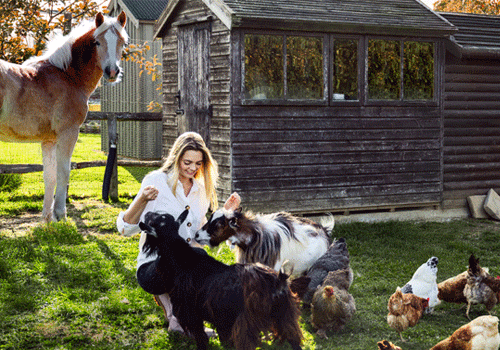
(423, 283)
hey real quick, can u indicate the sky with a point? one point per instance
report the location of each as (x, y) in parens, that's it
(429, 3)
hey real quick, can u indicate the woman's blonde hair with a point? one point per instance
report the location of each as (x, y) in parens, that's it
(208, 174)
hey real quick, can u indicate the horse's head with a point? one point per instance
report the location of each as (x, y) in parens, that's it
(110, 38)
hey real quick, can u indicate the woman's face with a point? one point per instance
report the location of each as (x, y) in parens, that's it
(190, 163)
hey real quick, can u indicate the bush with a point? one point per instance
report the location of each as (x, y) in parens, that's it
(10, 182)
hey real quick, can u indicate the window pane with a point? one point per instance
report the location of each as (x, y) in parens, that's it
(304, 67)
(418, 70)
(384, 72)
(263, 66)
(345, 69)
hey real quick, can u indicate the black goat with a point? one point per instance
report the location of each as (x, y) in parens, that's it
(239, 300)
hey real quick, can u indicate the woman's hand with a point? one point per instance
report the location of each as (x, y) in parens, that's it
(133, 213)
(149, 193)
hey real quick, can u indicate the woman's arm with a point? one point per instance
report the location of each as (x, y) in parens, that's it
(133, 213)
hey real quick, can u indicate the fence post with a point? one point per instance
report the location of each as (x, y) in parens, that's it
(110, 185)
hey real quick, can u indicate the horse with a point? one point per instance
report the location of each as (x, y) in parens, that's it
(46, 98)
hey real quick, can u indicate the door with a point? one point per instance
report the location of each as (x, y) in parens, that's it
(195, 111)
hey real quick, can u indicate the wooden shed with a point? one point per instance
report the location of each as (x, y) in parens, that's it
(311, 105)
(471, 108)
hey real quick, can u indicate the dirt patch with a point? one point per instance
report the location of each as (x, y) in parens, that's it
(19, 225)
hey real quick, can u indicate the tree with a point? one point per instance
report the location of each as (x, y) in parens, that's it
(488, 7)
(25, 25)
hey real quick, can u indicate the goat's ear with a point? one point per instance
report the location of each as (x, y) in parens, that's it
(233, 223)
(148, 229)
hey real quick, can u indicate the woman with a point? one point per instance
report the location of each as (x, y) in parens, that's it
(186, 180)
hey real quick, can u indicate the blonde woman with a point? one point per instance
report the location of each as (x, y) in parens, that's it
(186, 180)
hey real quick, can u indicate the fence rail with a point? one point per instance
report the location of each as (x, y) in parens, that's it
(112, 118)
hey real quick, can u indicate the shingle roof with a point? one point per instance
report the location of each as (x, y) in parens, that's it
(481, 31)
(146, 10)
(404, 14)
(394, 17)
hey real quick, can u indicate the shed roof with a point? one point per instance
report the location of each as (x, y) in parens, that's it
(140, 10)
(146, 10)
(477, 35)
(358, 16)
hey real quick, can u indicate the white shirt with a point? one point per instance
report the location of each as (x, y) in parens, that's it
(196, 201)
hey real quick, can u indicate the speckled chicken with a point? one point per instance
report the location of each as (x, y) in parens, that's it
(332, 305)
(405, 310)
(336, 258)
(387, 345)
(479, 334)
(423, 283)
(481, 287)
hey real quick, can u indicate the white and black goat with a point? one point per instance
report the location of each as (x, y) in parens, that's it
(239, 300)
(269, 239)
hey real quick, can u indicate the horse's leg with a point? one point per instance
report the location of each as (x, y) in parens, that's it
(65, 145)
(49, 178)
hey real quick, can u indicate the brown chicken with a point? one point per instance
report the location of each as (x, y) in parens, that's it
(332, 305)
(452, 289)
(387, 345)
(481, 287)
(405, 310)
(479, 334)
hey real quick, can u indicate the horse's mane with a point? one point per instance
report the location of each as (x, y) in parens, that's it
(58, 51)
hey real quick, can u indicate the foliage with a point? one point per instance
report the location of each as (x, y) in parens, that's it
(25, 25)
(138, 53)
(488, 7)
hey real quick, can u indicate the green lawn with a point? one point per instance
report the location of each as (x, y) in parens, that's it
(71, 285)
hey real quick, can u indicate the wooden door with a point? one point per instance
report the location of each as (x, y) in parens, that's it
(194, 79)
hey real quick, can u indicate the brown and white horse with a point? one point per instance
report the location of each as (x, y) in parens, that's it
(45, 99)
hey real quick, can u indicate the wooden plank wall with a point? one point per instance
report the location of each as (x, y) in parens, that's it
(314, 159)
(220, 50)
(471, 129)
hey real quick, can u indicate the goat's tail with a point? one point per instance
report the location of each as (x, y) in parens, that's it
(269, 306)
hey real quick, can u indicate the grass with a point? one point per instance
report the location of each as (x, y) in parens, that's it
(71, 285)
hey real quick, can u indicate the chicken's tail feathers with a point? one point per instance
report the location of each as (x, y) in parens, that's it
(474, 265)
(328, 223)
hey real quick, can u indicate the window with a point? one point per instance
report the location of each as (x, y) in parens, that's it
(280, 67)
(264, 67)
(385, 70)
(345, 69)
(283, 67)
(418, 72)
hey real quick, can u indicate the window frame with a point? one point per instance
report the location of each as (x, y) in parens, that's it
(286, 101)
(401, 101)
(328, 47)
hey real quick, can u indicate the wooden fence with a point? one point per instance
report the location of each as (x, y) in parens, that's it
(112, 118)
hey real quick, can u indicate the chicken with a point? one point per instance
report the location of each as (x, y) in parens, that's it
(452, 289)
(405, 310)
(481, 287)
(479, 334)
(387, 345)
(423, 283)
(332, 305)
(336, 258)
